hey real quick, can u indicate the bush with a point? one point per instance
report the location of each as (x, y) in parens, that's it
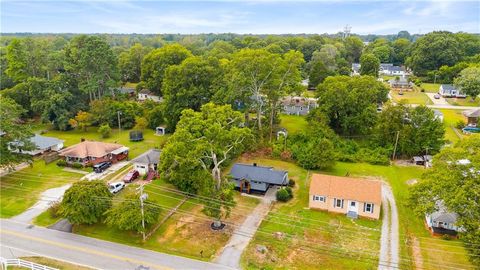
(105, 130)
(460, 124)
(284, 195)
(54, 209)
(61, 163)
(290, 191)
(77, 165)
(291, 183)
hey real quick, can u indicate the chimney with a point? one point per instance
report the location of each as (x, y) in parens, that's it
(254, 164)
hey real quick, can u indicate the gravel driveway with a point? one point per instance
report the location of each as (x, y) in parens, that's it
(389, 241)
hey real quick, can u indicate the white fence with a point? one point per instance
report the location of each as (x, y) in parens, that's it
(22, 263)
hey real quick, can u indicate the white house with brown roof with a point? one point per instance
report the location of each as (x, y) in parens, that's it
(92, 152)
(346, 195)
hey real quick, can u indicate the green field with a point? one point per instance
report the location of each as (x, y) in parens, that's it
(430, 87)
(20, 190)
(293, 123)
(450, 120)
(411, 97)
(434, 251)
(464, 101)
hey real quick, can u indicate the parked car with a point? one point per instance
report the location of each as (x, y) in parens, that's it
(436, 96)
(115, 187)
(131, 175)
(101, 167)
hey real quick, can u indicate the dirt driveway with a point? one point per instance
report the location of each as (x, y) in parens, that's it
(389, 241)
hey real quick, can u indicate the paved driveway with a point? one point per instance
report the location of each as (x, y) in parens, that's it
(115, 167)
(440, 101)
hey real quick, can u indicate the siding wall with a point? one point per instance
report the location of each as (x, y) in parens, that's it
(328, 206)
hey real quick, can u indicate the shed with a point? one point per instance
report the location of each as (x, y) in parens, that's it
(418, 160)
(472, 117)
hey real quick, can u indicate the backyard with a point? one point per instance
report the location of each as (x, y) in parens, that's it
(293, 123)
(450, 120)
(341, 236)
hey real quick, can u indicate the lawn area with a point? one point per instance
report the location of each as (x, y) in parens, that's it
(430, 87)
(20, 190)
(450, 120)
(51, 263)
(464, 101)
(288, 255)
(185, 233)
(72, 137)
(411, 97)
(293, 123)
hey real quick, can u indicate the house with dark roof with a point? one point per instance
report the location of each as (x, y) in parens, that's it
(147, 161)
(129, 91)
(346, 195)
(146, 94)
(442, 221)
(449, 90)
(248, 178)
(391, 70)
(42, 144)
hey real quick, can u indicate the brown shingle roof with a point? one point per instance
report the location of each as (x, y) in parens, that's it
(89, 149)
(346, 188)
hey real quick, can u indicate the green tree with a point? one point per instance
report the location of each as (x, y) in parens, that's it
(383, 53)
(85, 202)
(469, 81)
(92, 62)
(82, 120)
(434, 50)
(203, 143)
(127, 214)
(401, 49)
(353, 48)
(141, 123)
(105, 131)
(130, 62)
(370, 64)
(156, 62)
(28, 57)
(350, 103)
(457, 186)
(13, 132)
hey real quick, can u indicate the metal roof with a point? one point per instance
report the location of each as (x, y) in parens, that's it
(258, 173)
(41, 142)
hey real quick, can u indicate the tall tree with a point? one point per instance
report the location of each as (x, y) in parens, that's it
(130, 62)
(401, 49)
(92, 62)
(203, 143)
(469, 81)
(156, 62)
(353, 48)
(369, 65)
(28, 57)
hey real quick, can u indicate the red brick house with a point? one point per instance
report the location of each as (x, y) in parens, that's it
(91, 152)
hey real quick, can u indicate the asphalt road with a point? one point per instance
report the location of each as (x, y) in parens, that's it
(21, 238)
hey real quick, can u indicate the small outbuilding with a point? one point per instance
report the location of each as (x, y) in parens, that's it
(146, 94)
(471, 117)
(160, 131)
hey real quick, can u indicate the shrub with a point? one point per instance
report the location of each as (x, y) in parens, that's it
(54, 209)
(61, 163)
(460, 124)
(291, 183)
(77, 165)
(283, 195)
(290, 191)
(105, 130)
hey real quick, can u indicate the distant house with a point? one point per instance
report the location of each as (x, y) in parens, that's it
(146, 94)
(400, 83)
(425, 160)
(391, 70)
(351, 196)
(129, 91)
(298, 105)
(42, 144)
(92, 152)
(442, 222)
(449, 90)
(355, 69)
(250, 178)
(147, 161)
(471, 117)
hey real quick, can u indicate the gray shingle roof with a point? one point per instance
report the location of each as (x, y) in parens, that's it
(41, 142)
(152, 156)
(448, 87)
(445, 217)
(258, 173)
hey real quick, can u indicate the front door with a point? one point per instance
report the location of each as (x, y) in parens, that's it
(353, 206)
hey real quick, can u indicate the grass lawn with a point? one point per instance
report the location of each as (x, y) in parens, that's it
(450, 119)
(20, 190)
(464, 101)
(293, 123)
(430, 87)
(185, 233)
(411, 97)
(72, 137)
(51, 263)
(45, 219)
(287, 254)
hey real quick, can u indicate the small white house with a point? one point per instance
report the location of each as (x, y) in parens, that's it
(146, 94)
(391, 70)
(147, 161)
(449, 90)
(42, 144)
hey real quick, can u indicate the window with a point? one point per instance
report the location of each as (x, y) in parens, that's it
(368, 207)
(337, 203)
(319, 198)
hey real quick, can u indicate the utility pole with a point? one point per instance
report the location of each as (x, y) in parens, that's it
(119, 126)
(143, 197)
(395, 148)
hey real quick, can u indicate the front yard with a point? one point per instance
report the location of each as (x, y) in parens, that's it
(411, 97)
(464, 101)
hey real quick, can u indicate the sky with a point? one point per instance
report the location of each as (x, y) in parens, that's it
(243, 17)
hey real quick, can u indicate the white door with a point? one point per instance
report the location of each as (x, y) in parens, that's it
(353, 206)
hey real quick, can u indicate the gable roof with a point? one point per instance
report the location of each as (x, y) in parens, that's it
(258, 173)
(146, 92)
(152, 156)
(346, 188)
(41, 142)
(472, 113)
(448, 87)
(442, 215)
(90, 149)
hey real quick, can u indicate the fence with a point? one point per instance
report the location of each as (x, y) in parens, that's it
(22, 263)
